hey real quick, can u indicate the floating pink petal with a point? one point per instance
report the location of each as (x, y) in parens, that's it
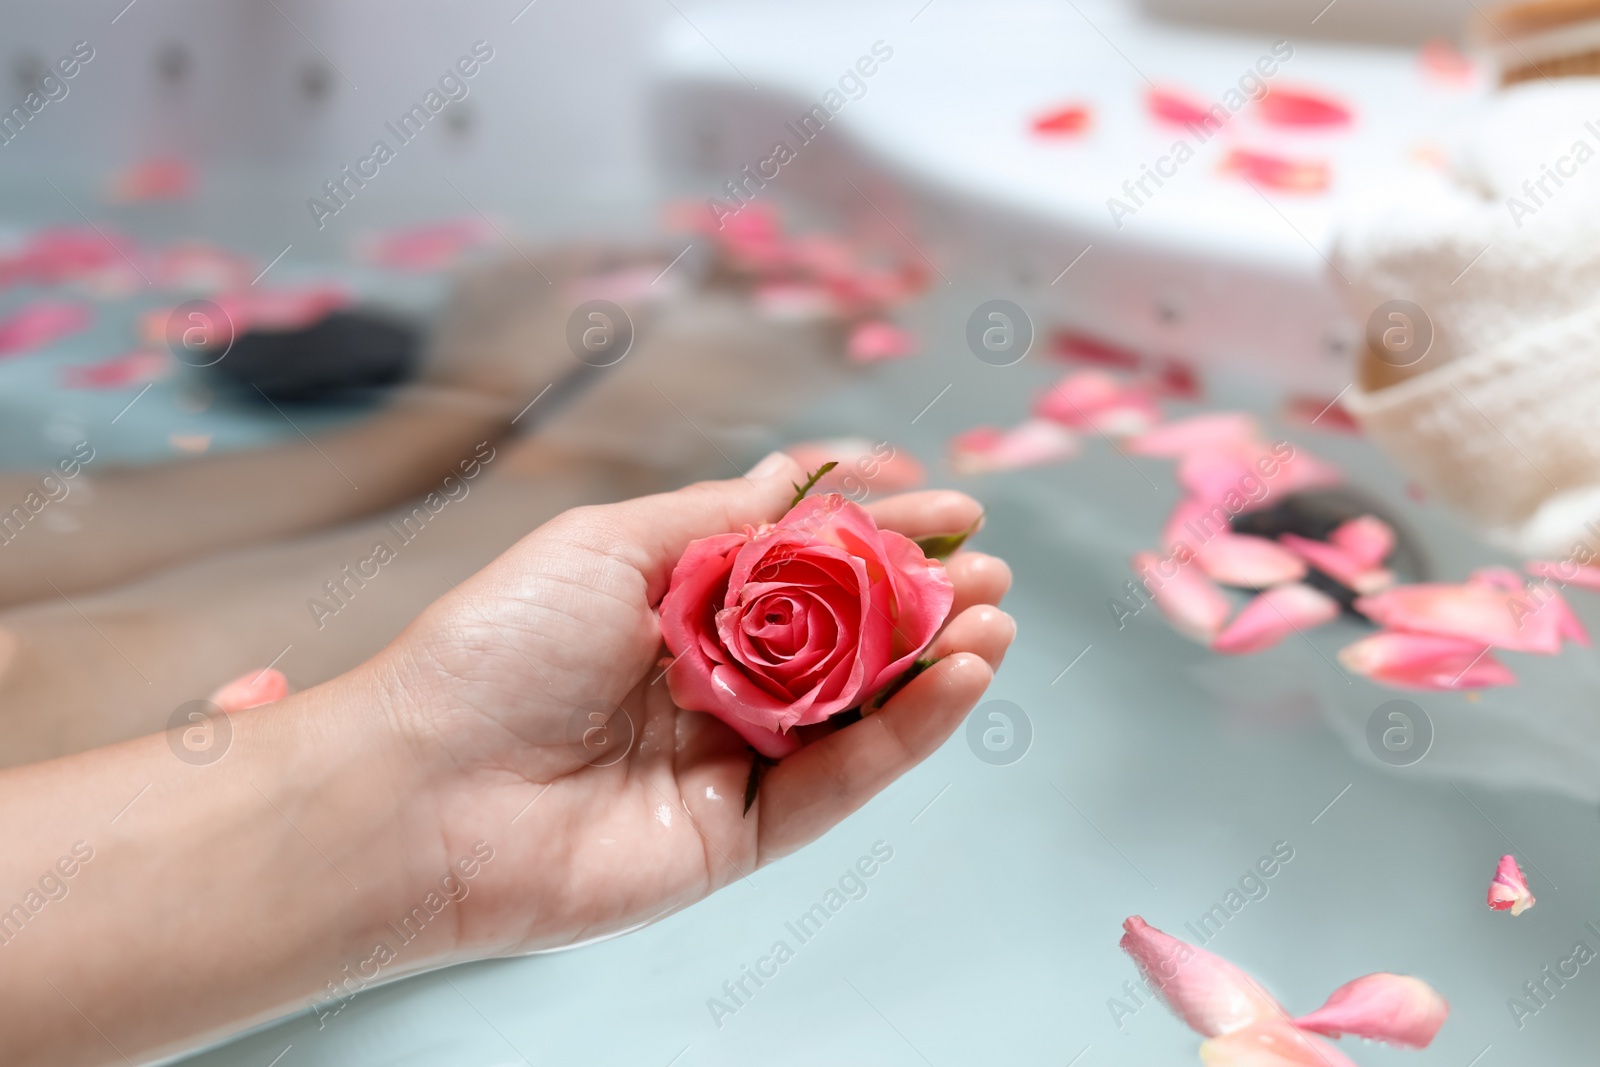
(871, 342)
(1207, 992)
(864, 466)
(1228, 472)
(1271, 1044)
(166, 178)
(1274, 615)
(40, 324)
(430, 247)
(1568, 573)
(1508, 891)
(1033, 443)
(1096, 351)
(1338, 564)
(1481, 611)
(60, 254)
(1209, 431)
(1176, 378)
(1191, 602)
(1426, 661)
(1302, 107)
(1175, 107)
(1367, 539)
(1443, 63)
(1064, 121)
(1321, 412)
(1393, 1008)
(130, 368)
(1249, 562)
(1092, 400)
(1278, 172)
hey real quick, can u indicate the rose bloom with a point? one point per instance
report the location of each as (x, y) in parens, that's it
(785, 625)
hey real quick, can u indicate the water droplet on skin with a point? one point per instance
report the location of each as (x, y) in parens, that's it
(664, 815)
(711, 793)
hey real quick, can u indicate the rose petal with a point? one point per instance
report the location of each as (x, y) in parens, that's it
(1198, 432)
(166, 178)
(1278, 172)
(130, 368)
(41, 323)
(1367, 538)
(1063, 122)
(1338, 564)
(1567, 573)
(1394, 1008)
(1302, 107)
(1207, 992)
(1175, 107)
(1509, 889)
(1274, 615)
(1082, 348)
(1033, 443)
(252, 690)
(432, 246)
(873, 342)
(1094, 400)
(1271, 1044)
(1191, 602)
(1480, 611)
(1249, 562)
(1426, 661)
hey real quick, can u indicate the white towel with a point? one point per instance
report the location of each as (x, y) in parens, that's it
(1505, 260)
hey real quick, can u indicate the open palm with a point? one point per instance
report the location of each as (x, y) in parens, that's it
(535, 701)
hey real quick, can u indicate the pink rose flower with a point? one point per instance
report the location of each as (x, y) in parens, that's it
(785, 625)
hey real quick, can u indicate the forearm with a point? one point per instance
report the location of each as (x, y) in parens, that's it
(129, 522)
(163, 900)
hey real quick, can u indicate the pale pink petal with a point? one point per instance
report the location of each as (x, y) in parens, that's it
(1302, 107)
(166, 178)
(1271, 1044)
(1394, 1008)
(1567, 573)
(1249, 562)
(1200, 431)
(874, 341)
(1193, 522)
(1509, 891)
(1367, 538)
(1176, 107)
(429, 247)
(1278, 172)
(1426, 661)
(41, 323)
(251, 690)
(1274, 615)
(864, 466)
(1339, 564)
(1442, 62)
(130, 368)
(1481, 611)
(1035, 442)
(1191, 602)
(1207, 992)
(1063, 121)
(1092, 400)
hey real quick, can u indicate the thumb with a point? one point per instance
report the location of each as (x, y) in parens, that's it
(655, 530)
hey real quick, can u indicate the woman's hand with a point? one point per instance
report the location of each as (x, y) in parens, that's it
(540, 722)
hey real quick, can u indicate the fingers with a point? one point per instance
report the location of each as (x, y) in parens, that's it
(810, 791)
(983, 630)
(653, 531)
(978, 578)
(933, 511)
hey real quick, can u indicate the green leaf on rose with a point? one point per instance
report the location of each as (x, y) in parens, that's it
(943, 546)
(815, 476)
